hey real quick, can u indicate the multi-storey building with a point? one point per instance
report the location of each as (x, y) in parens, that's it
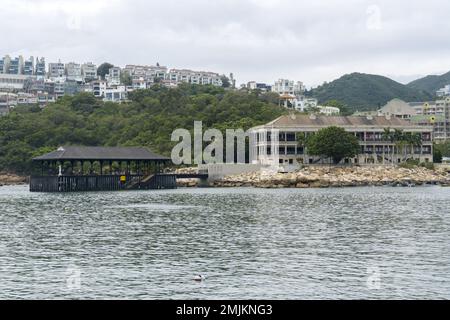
(88, 71)
(145, 74)
(13, 82)
(288, 87)
(277, 142)
(443, 92)
(253, 85)
(40, 67)
(116, 94)
(4, 64)
(59, 87)
(434, 113)
(73, 72)
(113, 76)
(28, 67)
(99, 88)
(177, 76)
(16, 65)
(56, 70)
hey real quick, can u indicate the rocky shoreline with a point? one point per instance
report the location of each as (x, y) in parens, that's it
(7, 179)
(324, 177)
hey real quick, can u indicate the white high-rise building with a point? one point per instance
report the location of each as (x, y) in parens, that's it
(443, 92)
(176, 76)
(290, 87)
(89, 71)
(56, 70)
(73, 72)
(113, 77)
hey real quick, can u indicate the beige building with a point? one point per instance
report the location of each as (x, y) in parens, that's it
(397, 108)
(275, 143)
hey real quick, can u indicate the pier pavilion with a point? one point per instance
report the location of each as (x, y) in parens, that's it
(76, 168)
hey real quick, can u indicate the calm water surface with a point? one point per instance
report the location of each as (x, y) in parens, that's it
(250, 243)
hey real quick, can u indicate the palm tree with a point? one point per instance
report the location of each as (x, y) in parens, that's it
(388, 135)
(415, 140)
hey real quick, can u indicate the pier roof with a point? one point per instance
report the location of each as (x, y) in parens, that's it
(101, 153)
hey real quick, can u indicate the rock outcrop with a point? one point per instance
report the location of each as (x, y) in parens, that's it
(11, 179)
(324, 177)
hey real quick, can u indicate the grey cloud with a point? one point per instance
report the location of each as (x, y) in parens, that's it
(312, 41)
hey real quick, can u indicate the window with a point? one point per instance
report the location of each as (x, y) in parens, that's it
(290, 136)
(282, 136)
(290, 150)
(281, 150)
(280, 161)
(269, 150)
(299, 150)
(291, 161)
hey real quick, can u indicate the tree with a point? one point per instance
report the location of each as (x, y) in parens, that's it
(333, 142)
(125, 79)
(225, 81)
(103, 69)
(437, 154)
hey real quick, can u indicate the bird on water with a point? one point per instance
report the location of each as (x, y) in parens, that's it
(199, 278)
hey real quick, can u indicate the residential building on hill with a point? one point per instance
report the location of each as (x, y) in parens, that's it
(88, 71)
(177, 76)
(434, 113)
(113, 76)
(443, 92)
(56, 70)
(73, 72)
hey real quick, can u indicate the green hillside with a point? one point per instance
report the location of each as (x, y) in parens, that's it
(431, 83)
(148, 120)
(361, 91)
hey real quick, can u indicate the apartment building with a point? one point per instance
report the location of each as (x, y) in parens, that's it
(434, 113)
(113, 76)
(288, 87)
(40, 70)
(56, 70)
(73, 72)
(443, 92)
(177, 76)
(88, 71)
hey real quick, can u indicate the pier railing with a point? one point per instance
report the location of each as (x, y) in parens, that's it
(74, 183)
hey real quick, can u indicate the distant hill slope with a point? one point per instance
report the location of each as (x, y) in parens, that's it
(431, 83)
(361, 91)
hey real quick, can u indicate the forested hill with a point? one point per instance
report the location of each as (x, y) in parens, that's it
(431, 83)
(361, 91)
(148, 120)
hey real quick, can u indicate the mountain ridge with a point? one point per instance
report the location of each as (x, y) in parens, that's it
(362, 91)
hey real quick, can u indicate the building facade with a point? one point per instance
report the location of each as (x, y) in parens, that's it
(434, 113)
(278, 144)
(177, 76)
(443, 92)
(88, 71)
(56, 70)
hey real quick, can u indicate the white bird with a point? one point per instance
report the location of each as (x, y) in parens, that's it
(199, 278)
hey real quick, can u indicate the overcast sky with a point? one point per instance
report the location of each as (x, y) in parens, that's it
(263, 40)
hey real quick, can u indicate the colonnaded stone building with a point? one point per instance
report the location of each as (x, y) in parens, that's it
(277, 142)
